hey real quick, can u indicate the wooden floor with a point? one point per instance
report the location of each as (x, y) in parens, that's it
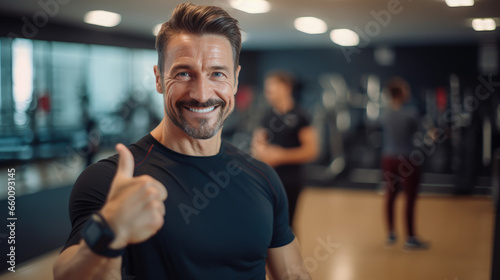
(460, 231)
(342, 238)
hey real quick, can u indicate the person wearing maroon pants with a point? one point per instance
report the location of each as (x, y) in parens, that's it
(399, 124)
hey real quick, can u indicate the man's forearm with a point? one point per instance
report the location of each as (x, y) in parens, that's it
(286, 263)
(304, 276)
(298, 273)
(80, 263)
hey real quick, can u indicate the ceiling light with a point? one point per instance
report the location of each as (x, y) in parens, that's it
(310, 25)
(459, 3)
(102, 18)
(483, 24)
(251, 6)
(344, 37)
(156, 29)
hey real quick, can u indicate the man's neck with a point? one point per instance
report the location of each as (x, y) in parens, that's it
(177, 140)
(285, 106)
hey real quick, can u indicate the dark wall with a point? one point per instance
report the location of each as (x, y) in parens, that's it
(423, 66)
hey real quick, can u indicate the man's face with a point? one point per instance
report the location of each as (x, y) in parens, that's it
(276, 91)
(198, 84)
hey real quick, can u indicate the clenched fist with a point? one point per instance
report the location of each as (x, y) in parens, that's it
(135, 206)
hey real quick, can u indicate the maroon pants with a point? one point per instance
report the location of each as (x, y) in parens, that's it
(400, 172)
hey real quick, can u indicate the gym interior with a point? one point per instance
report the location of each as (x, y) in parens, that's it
(70, 91)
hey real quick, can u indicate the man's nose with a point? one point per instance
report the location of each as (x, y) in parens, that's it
(200, 91)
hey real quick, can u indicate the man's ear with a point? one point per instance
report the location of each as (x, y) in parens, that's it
(236, 75)
(158, 78)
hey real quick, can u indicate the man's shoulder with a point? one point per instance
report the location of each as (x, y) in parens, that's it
(105, 169)
(232, 152)
(100, 168)
(302, 114)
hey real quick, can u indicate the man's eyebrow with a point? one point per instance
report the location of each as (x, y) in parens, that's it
(178, 67)
(220, 67)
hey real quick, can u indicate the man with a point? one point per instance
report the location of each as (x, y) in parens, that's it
(286, 140)
(225, 216)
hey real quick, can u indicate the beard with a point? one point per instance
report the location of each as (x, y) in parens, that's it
(203, 129)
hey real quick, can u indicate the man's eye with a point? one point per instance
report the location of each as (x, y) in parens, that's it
(183, 74)
(218, 74)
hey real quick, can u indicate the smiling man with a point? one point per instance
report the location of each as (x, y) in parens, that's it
(226, 213)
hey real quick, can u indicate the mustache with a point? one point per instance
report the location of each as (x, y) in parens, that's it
(196, 103)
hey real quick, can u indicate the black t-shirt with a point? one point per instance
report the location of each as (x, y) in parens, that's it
(283, 130)
(222, 213)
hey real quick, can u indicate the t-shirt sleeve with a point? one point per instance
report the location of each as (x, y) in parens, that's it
(304, 119)
(282, 233)
(88, 196)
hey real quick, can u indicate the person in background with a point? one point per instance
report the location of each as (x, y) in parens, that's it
(286, 139)
(399, 124)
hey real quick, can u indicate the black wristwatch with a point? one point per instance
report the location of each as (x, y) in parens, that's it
(98, 235)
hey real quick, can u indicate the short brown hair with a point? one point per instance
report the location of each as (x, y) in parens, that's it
(396, 87)
(199, 20)
(284, 77)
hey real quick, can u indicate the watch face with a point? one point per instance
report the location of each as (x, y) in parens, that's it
(93, 231)
(98, 236)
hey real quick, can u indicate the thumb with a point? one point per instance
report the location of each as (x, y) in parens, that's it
(125, 161)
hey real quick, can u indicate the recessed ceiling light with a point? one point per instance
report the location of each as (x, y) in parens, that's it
(156, 29)
(484, 24)
(251, 6)
(310, 25)
(459, 3)
(102, 18)
(344, 37)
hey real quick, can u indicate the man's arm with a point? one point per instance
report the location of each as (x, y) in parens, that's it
(306, 152)
(130, 225)
(275, 155)
(285, 263)
(79, 262)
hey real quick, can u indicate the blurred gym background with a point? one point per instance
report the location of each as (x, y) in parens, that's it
(70, 90)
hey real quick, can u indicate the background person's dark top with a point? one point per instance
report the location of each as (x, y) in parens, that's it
(227, 233)
(283, 130)
(398, 127)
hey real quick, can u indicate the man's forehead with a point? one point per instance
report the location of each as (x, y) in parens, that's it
(191, 46)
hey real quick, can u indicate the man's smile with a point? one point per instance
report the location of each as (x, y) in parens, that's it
(201, 110)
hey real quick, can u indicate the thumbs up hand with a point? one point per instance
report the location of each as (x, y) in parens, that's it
(135, 206)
